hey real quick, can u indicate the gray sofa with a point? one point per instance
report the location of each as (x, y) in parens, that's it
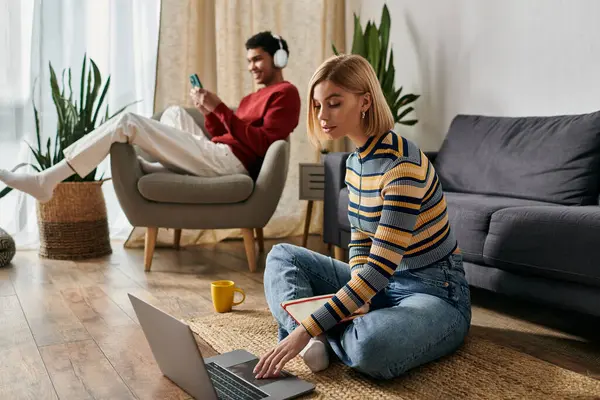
(523, 201)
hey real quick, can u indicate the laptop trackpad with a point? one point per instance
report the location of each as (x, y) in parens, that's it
(244, 371)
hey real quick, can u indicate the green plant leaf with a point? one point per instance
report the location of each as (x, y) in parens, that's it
(384, 34)
(104, 91)
(82, 84)
(395, 97)
(55, 92)
(37, 121)
(47, 155)
(84, 118)
(388, 82)
(93, 96)
(358, 41)
(70, 88)
(21, 165)
(366, 40)
(403, 113)
(409, 122)
(62, 81)
(407, 99)
(121, 110)
(38, 157)
(70, 133)
(57, 148)
(334, 49)
(105, 116)
(91, 177)
(64, 134)
(5, 191)
(372, 38)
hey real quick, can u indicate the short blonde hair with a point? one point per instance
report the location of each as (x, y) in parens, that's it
(354, 74)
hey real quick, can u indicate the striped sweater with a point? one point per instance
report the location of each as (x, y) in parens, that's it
(398, 218)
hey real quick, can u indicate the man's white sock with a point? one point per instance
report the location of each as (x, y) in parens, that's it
(315, 354)
(40, 185)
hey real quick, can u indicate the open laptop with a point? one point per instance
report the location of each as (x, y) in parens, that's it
(226, 376)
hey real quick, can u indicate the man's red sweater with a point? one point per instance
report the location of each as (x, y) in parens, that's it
(267, 115)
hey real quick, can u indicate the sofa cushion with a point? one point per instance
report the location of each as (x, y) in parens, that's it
(553, 159)
(166, 187)
(342, 211)
(558, 242)
(470, 215)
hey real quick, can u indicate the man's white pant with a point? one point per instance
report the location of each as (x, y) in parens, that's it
(177, 142)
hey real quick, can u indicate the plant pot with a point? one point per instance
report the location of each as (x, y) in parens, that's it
(74, 224)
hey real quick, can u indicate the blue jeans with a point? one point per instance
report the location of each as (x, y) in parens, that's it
(420, 316)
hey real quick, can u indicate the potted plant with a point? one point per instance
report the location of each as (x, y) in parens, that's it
(74, 224)
(372, 43)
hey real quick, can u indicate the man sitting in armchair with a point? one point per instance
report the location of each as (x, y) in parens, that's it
(239, 140)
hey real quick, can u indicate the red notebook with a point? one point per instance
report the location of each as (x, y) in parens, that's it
(300, 309)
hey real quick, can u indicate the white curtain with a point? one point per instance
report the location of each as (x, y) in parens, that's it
(121, 36)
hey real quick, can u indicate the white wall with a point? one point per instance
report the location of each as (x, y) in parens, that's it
(495, 57)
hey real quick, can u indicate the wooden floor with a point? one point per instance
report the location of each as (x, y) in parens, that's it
(67, 329)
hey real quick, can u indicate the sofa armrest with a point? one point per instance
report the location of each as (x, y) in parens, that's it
(335, 175)
(431, 155)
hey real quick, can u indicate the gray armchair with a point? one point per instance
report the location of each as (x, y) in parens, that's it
(171, 200)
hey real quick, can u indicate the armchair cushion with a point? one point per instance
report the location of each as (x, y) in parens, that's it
(166, 187)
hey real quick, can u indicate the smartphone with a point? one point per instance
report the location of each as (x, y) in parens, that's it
(195, 81)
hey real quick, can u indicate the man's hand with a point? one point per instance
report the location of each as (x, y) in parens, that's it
(271, 364)
(204, 100)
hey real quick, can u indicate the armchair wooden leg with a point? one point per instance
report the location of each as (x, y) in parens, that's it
(338, 253)
(249, 245)
(177, 238)
(261, 239)
(151, 234)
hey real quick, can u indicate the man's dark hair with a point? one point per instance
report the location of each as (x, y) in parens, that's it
(267, 42)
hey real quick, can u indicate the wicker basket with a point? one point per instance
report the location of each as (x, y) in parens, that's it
(74, 225)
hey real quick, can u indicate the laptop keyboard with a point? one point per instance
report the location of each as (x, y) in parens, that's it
(230, 387)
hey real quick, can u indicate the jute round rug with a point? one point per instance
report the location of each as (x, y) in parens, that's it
(480, 369)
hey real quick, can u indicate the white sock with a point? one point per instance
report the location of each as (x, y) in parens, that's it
(315, 354)
(151, 167)
(39, 185)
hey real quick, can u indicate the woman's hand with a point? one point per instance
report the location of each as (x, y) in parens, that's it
(271, 364)
(204, 100)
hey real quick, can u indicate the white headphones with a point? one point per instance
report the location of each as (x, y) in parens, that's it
(280, 58)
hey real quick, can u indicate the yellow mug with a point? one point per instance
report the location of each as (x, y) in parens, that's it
(222, 295)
